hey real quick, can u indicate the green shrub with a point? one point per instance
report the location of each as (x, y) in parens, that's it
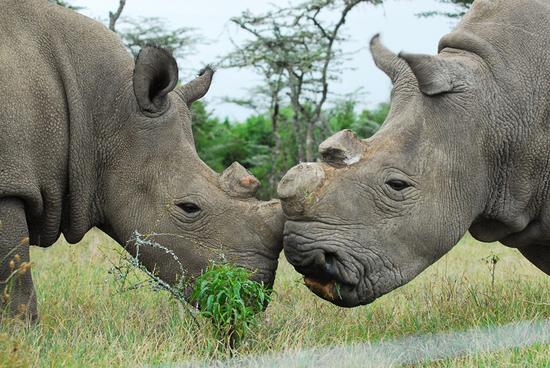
(228, 297)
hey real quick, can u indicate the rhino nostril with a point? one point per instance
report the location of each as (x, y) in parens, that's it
(319, 261)
(330, 267)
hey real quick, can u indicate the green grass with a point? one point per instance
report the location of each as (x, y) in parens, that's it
(85, 322)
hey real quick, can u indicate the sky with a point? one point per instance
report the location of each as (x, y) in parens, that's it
(396, 20)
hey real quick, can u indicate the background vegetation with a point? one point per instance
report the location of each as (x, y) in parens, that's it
(252, 142)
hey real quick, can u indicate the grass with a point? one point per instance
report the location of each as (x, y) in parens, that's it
(85, 322)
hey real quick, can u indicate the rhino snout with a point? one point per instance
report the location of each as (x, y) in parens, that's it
(298, 185)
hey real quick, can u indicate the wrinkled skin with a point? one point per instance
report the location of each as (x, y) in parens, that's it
(465, 147)
(90, 137)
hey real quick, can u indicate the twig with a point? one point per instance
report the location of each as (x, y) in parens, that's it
(113, 17)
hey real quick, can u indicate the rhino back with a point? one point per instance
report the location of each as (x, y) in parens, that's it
(511, 36)
(53, 80)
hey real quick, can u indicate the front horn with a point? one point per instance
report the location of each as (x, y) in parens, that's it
(239, 182)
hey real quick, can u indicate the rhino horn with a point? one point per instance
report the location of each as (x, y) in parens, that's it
(198, 87)
(296, 187)
(239, 182)
(387, 61)
(432, 73)
(342, 149)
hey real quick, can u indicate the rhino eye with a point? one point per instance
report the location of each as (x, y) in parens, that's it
(398, 185)
(190, 208)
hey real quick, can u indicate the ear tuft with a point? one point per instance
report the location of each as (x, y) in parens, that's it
(155, 75)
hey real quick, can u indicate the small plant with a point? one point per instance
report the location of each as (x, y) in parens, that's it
(16, 268)
(230, 300)
(225, 294)
(492, 261)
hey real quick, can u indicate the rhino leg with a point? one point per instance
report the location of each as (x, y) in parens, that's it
(539, 255)
(17, 295)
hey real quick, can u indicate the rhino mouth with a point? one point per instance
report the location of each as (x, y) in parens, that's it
(326, 289)
(331, 274)
(331, 290)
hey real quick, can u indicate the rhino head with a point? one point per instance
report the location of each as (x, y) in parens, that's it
(154, 182)
(374, 213)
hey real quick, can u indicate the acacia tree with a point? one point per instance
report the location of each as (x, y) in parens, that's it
(460, 8)
(296, 52)
(66, 4)
(136, 33)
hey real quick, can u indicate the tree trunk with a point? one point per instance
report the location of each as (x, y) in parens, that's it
(310, 142)
(300, 141)
(276, 153)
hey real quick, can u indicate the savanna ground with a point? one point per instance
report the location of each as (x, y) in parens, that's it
(86, 321)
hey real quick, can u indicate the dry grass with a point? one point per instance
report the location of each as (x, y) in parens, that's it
(84, 322)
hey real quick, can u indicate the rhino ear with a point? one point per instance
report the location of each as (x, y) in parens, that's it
(432, 73)
(155, 75)
(198, 87)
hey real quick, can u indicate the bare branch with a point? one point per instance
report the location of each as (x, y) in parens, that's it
(300, 45)
(113, 17)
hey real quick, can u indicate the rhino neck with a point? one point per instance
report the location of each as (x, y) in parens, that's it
(519, 181)
(96, 72)
(515, 145)
(511, 38)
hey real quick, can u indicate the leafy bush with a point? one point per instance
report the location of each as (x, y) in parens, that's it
(225, 294)
(230, 300)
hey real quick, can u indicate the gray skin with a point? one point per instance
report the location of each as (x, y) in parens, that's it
(465, 147)
(91, 138)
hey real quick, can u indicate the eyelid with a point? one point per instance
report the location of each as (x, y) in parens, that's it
(396, 174)
(401, 184)
(191, 209)
(195, 199)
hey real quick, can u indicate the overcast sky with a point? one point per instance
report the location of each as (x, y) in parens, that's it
(396, 20)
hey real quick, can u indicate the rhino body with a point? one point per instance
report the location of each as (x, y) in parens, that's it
(90, 137)
(466, 146)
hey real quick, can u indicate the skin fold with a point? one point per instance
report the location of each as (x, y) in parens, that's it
(90, 137)
(464, 147)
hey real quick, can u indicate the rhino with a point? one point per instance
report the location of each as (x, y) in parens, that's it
(90, 137)
(465, 147)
